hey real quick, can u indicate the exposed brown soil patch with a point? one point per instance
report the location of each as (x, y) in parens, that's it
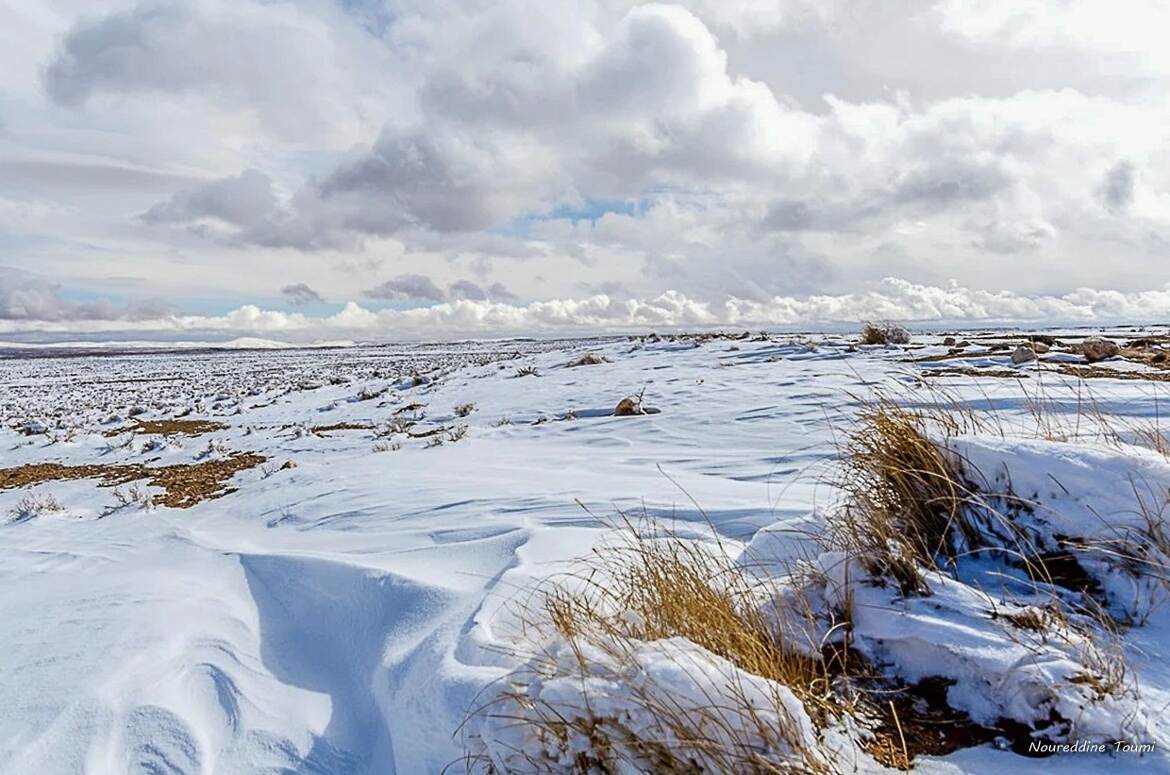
(136, 380)
(1152, 356)
(186, 484)
(169, 427)
(1067, 369)
(907, 720)
(916, 720)
(968, 371)
(1099, 372)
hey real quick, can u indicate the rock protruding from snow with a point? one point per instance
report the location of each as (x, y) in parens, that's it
(1023, 354)
(34, 428)
(1097, 348)
(628, 407)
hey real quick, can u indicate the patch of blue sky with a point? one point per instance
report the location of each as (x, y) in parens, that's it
(590, 210)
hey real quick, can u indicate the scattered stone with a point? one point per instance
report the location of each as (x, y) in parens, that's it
(628, 407)
(1096, 348)
(34, 428)
(1023, 354)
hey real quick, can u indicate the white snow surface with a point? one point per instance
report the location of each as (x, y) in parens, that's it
(342, 615)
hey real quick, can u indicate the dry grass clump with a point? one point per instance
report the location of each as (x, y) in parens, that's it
(687, 589)
(632, 406)
(649, 589)
(884, 332)
(588, 359)
(906, 497)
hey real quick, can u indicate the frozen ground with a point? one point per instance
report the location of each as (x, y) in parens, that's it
(342, 614)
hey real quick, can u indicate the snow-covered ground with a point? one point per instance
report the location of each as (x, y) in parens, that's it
(342, 614)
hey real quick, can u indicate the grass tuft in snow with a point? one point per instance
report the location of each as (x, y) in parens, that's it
(906, 497)
(659, 656)
(884, 332)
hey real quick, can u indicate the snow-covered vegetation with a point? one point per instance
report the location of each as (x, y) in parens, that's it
(703, 553)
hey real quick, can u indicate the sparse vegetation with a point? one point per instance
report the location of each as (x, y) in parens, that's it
(651, 588)
(169, 427)
(884, 332)
(134, 495)
(911, 509)
(906, 498)
(588, 359)
(32, 505)
(185, 484)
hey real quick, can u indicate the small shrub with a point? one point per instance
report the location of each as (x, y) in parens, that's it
(32, 505)
(885, 332)
(134, 495)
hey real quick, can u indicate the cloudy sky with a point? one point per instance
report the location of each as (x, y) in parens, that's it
(384, 168)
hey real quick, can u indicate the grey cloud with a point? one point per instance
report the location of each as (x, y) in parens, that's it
(1009, 237)
(944, 183)
(56, 175)
(497, 292)
(300, 294)
(466, 289)
(420, 179)
(246, 200)
(293, 69)
(407, 287)
(1118, 188)
(26, 296)
(120, 51)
